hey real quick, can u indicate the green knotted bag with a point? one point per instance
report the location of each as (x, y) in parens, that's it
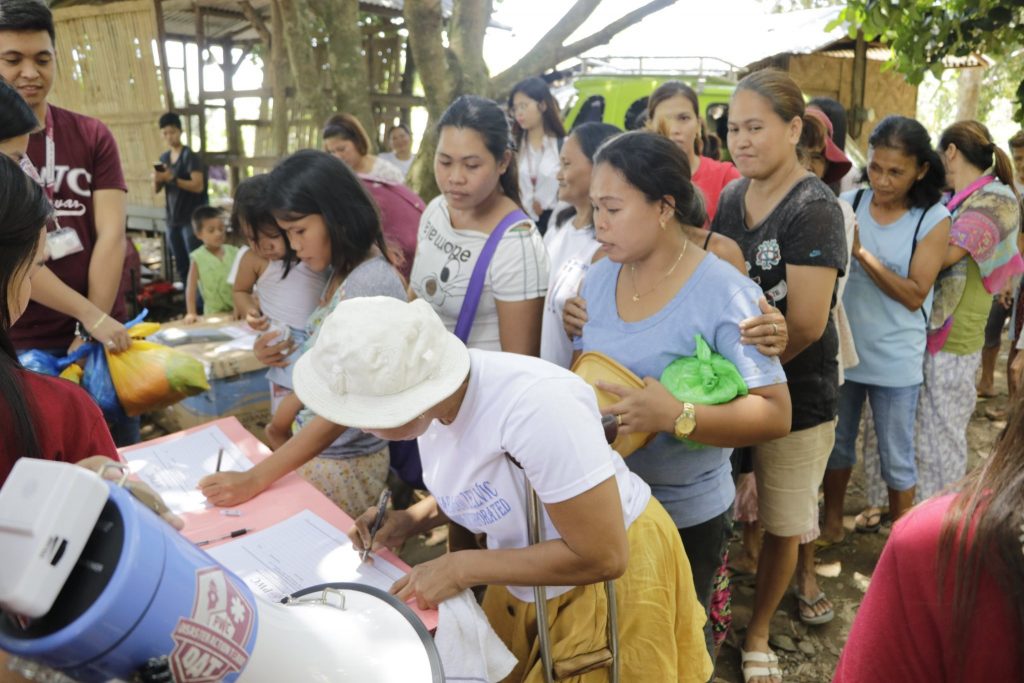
(706, 378)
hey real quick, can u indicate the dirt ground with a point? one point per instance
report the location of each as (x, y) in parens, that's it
(809, 653)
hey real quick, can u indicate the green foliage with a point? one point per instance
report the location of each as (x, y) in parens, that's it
(923, 32)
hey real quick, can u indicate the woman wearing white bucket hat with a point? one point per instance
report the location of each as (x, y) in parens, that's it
(487, 423)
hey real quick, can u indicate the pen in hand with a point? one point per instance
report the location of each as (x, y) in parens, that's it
(382, 506)
(220, 457)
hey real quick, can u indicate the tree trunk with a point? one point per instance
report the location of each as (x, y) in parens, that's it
(968, 92)
(346, 65)
(324, 43)
(279, 67)
(447, 72)
(300, 29)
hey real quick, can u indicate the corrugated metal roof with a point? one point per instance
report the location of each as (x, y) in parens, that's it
(803, 32)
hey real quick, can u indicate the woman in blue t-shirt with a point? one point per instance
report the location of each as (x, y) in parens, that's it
(646, 303)
(898, 248)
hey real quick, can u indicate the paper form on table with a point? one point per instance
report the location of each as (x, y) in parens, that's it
(301, 551)
(173, 468)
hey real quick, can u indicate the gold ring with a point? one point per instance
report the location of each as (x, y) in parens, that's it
(618, 420)
(775, 329)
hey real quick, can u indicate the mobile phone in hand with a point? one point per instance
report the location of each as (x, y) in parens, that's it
(159, 168)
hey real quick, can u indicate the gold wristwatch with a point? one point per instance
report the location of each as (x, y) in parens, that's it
(686, 422)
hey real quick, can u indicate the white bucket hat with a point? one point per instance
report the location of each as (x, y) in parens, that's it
(379, 362)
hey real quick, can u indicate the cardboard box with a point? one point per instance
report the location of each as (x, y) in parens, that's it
(238, 381)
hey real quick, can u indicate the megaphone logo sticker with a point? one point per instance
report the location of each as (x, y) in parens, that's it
(210, 645)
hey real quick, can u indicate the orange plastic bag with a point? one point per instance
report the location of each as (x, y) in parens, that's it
(150, 376)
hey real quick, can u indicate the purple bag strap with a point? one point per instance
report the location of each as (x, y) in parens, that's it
(476, 281)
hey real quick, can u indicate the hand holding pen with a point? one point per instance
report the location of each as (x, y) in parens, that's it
(378, 521)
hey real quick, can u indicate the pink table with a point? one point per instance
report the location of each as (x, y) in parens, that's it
(291, 494)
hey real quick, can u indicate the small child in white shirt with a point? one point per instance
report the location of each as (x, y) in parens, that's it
(273, 289)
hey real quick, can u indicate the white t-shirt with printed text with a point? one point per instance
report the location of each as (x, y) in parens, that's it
(548, 420)
(445, 258)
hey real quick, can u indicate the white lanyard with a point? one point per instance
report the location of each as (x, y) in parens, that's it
(50, 172)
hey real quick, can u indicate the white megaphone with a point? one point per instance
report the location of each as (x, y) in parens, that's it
(94, 586)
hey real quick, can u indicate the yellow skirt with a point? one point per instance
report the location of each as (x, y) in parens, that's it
(661, 623)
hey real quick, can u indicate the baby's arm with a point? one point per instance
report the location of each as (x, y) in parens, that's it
(280, 427)
(246, 305)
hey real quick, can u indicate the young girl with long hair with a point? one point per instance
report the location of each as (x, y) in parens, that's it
(539, 133)
(272, 287)
(333, 226)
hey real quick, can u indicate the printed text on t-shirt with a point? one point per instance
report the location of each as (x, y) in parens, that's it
(477, 506)
(456, 251)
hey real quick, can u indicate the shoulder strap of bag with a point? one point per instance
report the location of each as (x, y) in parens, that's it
(857, 197)
(913, 247)
(917, 231)
(476, 281)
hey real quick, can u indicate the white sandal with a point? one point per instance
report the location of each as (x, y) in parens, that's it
(772, 669)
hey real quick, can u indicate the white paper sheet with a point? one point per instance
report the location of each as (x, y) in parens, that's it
(173, 468)
(302, 551)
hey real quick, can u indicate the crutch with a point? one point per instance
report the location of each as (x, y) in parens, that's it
(608, 656)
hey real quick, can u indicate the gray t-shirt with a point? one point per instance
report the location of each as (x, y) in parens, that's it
(374, 277)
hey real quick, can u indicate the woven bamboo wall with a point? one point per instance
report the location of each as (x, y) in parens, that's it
(106, 69)
(885, 92)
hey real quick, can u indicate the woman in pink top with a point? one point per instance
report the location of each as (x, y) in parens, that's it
(942, 607)
(673, 110)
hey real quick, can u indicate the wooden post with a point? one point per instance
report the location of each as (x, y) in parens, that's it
(161, 48)
(200, 46)
(408, 78)
(228, 68)
(858, 114)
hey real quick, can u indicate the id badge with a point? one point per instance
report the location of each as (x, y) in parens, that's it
(63, 242)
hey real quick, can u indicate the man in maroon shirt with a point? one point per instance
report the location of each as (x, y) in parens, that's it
(83, 178)
(81, 170)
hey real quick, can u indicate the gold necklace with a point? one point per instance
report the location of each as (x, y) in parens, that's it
(632, 272)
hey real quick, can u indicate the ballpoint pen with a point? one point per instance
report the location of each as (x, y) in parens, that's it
(234, 534)
(382, 506)
(220, 457)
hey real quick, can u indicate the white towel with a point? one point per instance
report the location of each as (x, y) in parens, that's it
(470, 649)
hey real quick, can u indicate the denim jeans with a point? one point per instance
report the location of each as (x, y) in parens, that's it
(893, 410)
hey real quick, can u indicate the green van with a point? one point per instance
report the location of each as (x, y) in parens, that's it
(620, 98)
